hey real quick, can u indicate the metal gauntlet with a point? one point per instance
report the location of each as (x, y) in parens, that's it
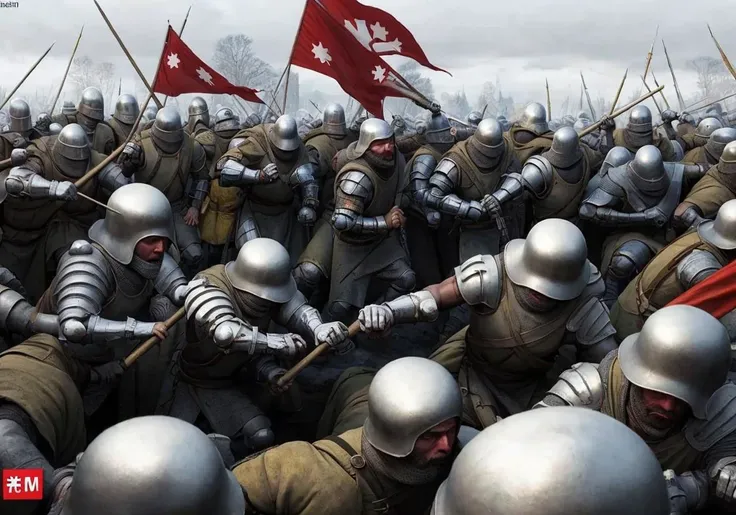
(201, 189)
(233, 173)
(419, 306)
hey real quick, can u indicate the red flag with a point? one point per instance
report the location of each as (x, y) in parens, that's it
(378, 30)
(326, 47)
(716, 294)
(181, 71)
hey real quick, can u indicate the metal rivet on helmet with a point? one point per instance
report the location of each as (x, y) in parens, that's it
(263, 269)
(707, 126)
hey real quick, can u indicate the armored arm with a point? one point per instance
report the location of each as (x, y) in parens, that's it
(694, 172)
(132, 158)
(83, 285)
(17, 316)
(421, 171)
(111, 178)
(305, 178)
(687, 215)
(696, 267)
(354, 191)
(580, 386)
(442, 184)
(233, 173)
(171, 281)
(593, 330)
(24, 182)
(601, 207)
(463, 133)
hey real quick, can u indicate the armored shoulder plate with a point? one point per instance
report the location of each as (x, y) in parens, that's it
(446, 175)
(720, 420)
(580, 386)
(613, 180)
(293, 305)
(479, 281)
(207, 304)
(697, 266)
(600, 197)
(356, 184)
(591, 323)
(170, 280)
(303, 174)
(423, 167)
(537, 176)
(446, 166)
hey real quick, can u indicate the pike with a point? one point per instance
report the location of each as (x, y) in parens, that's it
(130, 57)
(66, 73)
(587, 96)
(724, 58)
(485, 108)
(674, 79)
(120, 87)
(712, 103)
(181, 31)
(549, 100)
(653, 99)
(656, 84)
(316, 106)
(26, 75)
(650, 53)
(619, 111)
(101, 204)
(618, 93)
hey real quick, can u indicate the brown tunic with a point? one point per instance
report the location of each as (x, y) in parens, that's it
(220, 208)
(712, 191)
(527, 144)
(663, 144)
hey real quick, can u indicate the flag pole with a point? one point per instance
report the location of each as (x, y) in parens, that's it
(287, 70)
(181, 31)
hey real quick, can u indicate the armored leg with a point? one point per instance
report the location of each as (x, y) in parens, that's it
(627, 261)
(190, 246)
(247, 227)
(308, 278)
(257, 433)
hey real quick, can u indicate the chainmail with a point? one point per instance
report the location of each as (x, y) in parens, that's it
(638, 139)
(481, 160)
(132, 278)
(402, 470)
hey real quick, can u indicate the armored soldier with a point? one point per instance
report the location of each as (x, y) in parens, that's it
(272, 166)
(313, 268)
(617, 156)
(183, 472)
(556, 179)
(639, 198)
(474, 118)
(54, 129)
(699, 137)
(366, 221)
(525, 303)
(68, 108)
(20, 130)
(229, 308)
(37, 229)
(589, 462)
(199, 117)
(668, 384)
(220, 208)
(468, 171)
(709, 153)
(90, 114)
(505, 125)
(149, 117)
(530, 136)
(126, 112)
(717, 187)
(675, 269)
(167, 158)
(392, 464)
(251, 121)
(640, 133)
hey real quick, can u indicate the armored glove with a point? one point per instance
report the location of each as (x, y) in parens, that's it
(669, 116)
(376, 318)
(235, 335)
(20, 142)
(686, 117)
(475, 211)
(607, 123)
(107, 373)
(434, 108)
(269, 173)
(678, 497)
(656, 217)
(129, 158)
(7, 278)
(334, 334)
(306, 216)
(724, 475)
(63, 190)
(18, 156)
(491, 205)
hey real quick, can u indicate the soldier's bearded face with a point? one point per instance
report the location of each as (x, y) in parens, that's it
(151, 249)
(663, 410)
(436, 444)
(383, 149)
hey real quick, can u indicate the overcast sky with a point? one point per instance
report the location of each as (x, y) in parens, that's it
(521, 43)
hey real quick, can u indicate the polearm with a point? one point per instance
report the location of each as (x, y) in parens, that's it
(316, 107)
(549, 101)
(650, 54)
(130, 57)
(619, 111)
(587, 96)
(674, 79)
(66, 73)
(724, 58)
(120, 87)
(618, 93)
(714, 102)
(26, 76)
(656, 85)
(653, 99)
(181, 31)
(483, 114)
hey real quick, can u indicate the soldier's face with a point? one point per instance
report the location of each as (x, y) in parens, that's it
(383, 149)
(662, 409)
(151, 249)
(436, 444)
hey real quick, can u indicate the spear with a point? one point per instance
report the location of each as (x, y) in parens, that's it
(650, 53)
(674, 79)
(130, 57)
(549, 100)
(656, 84)
(714, 102)
(723, 54)
(618, 93)
(120, 87)
(483, 114)
(69, 65)
(26, 75)
(581, 97)
(587, 96)
(181, 31)
(316, 107)
(653, 99)
(619, 112)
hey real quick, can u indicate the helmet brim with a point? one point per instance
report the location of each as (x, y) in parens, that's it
(707, 231)
(277, 294)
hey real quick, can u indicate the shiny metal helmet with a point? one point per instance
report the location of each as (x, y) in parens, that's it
(534, 118)
(569, 120)
(617, 156)
(565, 150)
(198, 111)
(580, 125)
(153, 465)
(263, 269)
(71, 151)
(682, 351)
(583, 115)
(68, 108)
(721, 232)
(226, 120)
(488, 138)
(718, 141)
(727, 162)
(20, 116)
(647, 170)
(372, 130)
(555, 461)
(552, 260)
(333, 120)
(140, 211)
(438, 130)
(554, 124)
(406, 398)
(54, 129)
(640, 120)
(707, 126)
(504, 122)
(167, 129)
(474, 118)
(126, 109)
(92, 104)
(43, 118)
(151, 111)
(284, 134)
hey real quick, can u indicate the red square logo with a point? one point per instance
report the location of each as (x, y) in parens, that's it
(22, 484)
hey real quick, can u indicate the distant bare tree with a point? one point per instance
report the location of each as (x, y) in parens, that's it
(86, 73)
(412, 72)
(489, 96)
(710, 72)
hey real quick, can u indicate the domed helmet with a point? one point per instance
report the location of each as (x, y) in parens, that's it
(372, 130)
(167, 131)
(137, 211)
(640, 120)
(534, 118)
(438, 130)
(284, 134)
(565, 150)
(727, 162)
(681, 351)
(126, 109)
(71, 151)
(707, 126)
(226, 120)
(92, 104)
(333, 120)
(617, 156)
(552, 260)
(474, 118)
(721, 232)
(263, 269)
(718, 141)
(647, 170)
(488, 138)
(20, 116)
(198, 112)
(55, 129)
(555, 461)
(408, 397)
